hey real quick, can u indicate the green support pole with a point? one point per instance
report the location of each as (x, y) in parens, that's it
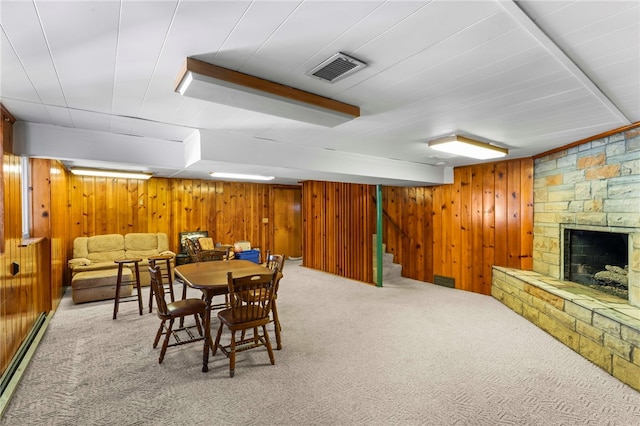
(379, 236)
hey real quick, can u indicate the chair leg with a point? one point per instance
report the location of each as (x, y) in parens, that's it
(232, 355)
(166, 341)
(195, 316)
(267, 343)
(117, 298)
(158, 334)
(217, 342)
(139, 292)
(276, 323)
(184, 296)
(150, 299)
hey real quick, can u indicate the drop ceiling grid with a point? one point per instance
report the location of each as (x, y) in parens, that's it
(594, 16)
(84, 119)
(499, 55)
(34, 65)
(160, 130)
(88, 87)
(592, 33)
(16, 85)
(513, 82)
(142, 31)
(251, 29)
(198, 28)
(411, 78)
(616, 56)
(429, 26)
(434, 38)
(59, 116)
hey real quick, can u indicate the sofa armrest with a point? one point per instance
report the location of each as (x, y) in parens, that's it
(78, 261)
(95, 266)
(167, 253)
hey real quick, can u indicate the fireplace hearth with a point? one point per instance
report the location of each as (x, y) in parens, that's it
(597, 259)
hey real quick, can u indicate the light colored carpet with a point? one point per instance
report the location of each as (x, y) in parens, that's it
(409, 353)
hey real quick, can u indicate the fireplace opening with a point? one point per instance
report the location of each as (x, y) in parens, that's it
(597, 259)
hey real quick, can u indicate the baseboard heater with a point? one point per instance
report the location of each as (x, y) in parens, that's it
(17, 359)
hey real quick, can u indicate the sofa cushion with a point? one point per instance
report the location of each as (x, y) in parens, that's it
(112, 247)
(141, 245)
(163, 243)
(80, 247)
(104, 248)
(90, 286)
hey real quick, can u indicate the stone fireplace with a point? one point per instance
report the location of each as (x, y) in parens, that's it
(597, 257)
(586, 220)
(592, 187)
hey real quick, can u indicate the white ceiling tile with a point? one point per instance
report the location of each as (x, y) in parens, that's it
(82, 37)
(142, 34)
(33, 65)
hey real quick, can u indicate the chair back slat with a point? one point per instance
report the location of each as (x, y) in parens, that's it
(274, 261)
(192, 249)
(158, 290)
(243, 292)
(197, 254)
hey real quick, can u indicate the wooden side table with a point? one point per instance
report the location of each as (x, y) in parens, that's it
(121, 264)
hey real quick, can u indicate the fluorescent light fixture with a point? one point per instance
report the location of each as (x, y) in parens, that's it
(185, 83)
(110, 173)
(240, 176)
(459, 145)
(220, 85)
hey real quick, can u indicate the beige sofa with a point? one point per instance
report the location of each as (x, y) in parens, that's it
(93, 270)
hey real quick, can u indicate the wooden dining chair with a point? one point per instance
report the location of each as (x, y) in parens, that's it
(172, 311)
(192, 249)
(275, 262)
(246, 313)
(167, 276)
(198, 254)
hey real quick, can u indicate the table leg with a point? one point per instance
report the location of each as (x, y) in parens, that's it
(117, 298)
(207, 332)
(138, 288)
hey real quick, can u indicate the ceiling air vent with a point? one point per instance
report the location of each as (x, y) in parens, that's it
(336, 67)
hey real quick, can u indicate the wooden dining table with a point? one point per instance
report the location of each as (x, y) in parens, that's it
(211, 279)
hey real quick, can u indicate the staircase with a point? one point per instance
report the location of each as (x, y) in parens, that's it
(390, 270)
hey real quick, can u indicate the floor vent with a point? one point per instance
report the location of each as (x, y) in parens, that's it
(444, 281)
(336, 67)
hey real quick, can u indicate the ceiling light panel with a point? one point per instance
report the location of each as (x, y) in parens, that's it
(242, 176)
(110, 173)
(465, 147)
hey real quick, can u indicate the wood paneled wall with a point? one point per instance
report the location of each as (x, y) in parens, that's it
(460, 230)
(229, 211)
(338, 225)
(26, 294)
(50, 203)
